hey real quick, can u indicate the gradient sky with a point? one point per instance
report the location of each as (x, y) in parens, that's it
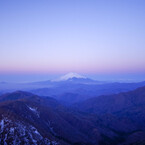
(85, 36)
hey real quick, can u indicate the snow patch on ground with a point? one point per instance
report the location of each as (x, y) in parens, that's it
(51, 128)
(19, 133)
(34, 110)
(2, 125)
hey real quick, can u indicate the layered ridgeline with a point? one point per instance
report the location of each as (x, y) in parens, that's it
(70, 88)
(128, 107)
(113, 119)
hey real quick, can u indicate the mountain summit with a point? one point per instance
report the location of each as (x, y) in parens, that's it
(70, 76)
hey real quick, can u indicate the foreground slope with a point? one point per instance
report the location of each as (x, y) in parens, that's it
(29, 119)
(114, 119)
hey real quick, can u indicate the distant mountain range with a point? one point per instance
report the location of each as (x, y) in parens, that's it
(110, 119)
(70, 88)
(70, 78)
(75, 92)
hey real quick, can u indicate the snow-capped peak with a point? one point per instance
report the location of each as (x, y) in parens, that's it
(70, 76)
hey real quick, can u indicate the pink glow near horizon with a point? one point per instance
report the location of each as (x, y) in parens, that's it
(84, 37)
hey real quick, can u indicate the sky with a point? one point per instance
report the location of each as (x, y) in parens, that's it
(98, 38)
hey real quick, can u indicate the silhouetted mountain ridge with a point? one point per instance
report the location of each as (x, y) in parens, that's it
(113, 119)
(115, 102)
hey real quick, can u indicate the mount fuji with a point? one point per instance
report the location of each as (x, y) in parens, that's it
(71, 76)
(74, 78)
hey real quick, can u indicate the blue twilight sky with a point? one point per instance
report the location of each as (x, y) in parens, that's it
(98, 38)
